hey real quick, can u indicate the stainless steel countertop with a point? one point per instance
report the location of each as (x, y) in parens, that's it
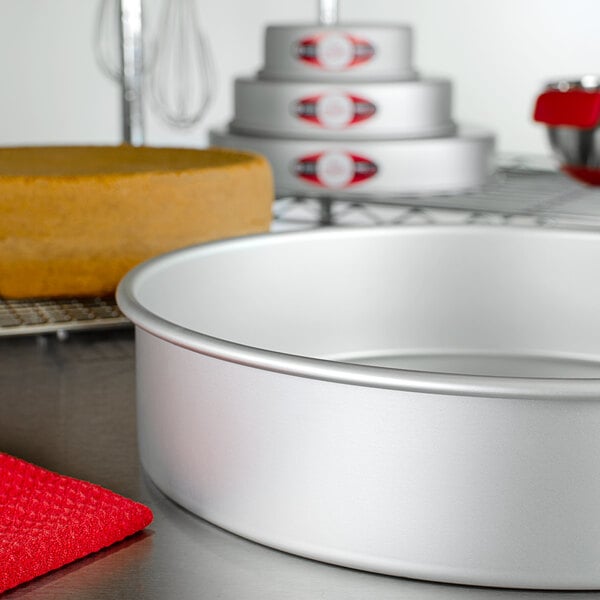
(69, 406)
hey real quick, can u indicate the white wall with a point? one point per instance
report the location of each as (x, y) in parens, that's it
(498, 53)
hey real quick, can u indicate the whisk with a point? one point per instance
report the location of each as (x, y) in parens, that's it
(182, 77)
(106, 40)
(106, 35)
(178, 66)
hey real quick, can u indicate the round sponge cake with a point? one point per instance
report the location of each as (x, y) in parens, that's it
(74, 220)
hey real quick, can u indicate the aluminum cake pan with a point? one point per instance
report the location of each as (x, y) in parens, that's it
(375, 168)
(349, 52)
(421, 402)
(359, 111)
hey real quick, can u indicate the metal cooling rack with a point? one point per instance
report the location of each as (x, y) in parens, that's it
(36, 316)
(517, 195)
(521, 193)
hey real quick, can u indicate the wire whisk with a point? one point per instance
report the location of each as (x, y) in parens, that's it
(182, 78)
(107, 40)
(178, 67)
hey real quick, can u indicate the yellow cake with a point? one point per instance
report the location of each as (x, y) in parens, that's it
(74, 220)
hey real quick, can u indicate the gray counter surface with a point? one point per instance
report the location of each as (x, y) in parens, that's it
(70, 407)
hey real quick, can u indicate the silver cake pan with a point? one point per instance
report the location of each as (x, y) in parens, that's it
(338, 53)
(383, 168)
(422, 402)
(405, 109)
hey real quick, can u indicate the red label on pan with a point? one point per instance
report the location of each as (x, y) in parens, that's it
(335, 169)
(334, 51)
(334, 111)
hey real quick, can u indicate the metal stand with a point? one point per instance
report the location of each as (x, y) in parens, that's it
(131, 71)
(328, 12)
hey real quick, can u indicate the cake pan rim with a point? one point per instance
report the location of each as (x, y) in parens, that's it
(484, 386)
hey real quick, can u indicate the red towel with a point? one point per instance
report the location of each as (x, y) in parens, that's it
(48, 520)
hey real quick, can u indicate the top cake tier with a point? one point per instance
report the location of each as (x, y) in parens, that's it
(340, 53)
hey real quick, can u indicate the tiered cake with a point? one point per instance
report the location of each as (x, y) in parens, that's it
(339, 110)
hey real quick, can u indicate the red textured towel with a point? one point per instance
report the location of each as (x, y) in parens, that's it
(48, 520)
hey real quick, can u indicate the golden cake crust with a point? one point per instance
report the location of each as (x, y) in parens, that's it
(74, 220)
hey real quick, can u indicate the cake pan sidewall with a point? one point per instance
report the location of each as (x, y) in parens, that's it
(445, 165)
(391, 58)
(399, 110)
(482, 491)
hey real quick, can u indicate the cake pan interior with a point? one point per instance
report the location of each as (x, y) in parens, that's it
(486, 306)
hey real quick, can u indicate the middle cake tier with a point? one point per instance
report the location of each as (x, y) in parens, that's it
(334, 111)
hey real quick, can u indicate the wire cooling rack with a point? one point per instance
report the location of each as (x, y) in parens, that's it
(520, 194)
(36, 316)
(517, 195)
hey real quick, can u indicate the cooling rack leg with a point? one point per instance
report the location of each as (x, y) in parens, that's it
(326, 212)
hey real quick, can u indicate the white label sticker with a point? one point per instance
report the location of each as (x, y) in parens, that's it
(335, 52)
(335, 110)
(335, 169)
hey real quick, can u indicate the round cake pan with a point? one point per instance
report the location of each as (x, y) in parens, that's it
(417, 401)
(388, 168)
(391, 110)
(338, 53)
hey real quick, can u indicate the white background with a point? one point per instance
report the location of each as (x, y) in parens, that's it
(498, 53)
